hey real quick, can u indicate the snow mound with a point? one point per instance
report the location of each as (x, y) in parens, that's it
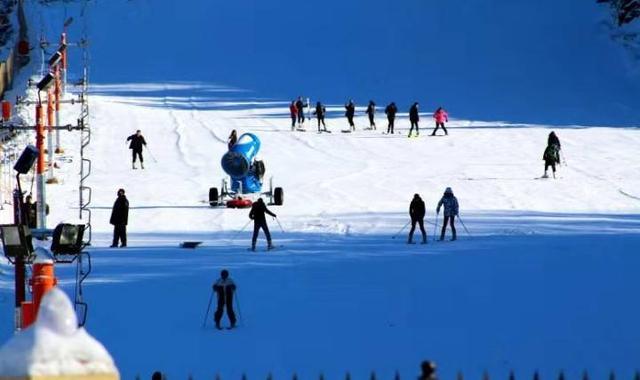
(54, 345)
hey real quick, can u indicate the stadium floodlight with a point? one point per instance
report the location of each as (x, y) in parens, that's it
(67, 239)
(55, 58)
(45, 82)
(16, 240)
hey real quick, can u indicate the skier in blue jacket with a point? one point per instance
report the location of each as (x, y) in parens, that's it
(450, 203)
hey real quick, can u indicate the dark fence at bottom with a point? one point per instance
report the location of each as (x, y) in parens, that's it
(460, 376)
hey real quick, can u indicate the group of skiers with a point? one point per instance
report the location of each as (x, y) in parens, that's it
(417, 211)
(296, 111)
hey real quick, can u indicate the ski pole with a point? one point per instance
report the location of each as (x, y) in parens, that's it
(204, 323)
(238, 307)
(151, 154)
(465, 227)
(399, 232)
(239, 232)
(278, 221)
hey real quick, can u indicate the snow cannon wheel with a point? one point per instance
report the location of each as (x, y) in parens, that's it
(239, 203)
(214, 197)
(278, 196)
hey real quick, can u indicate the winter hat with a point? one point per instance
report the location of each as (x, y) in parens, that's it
(448, 191)
(224, 273)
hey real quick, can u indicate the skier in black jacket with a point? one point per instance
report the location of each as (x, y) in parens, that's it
(119, 219)
(414, 117)
(320, 112)
(137, 141)
(232, 140)
(391, 111)
(371, 112)
(350, 113)
(300, 105)
(257, 214)
(224, 288)
(416, 212)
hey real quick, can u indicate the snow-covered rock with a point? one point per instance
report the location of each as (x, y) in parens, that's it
(54, 346)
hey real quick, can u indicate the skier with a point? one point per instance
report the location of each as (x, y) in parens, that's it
(371, 112)
(349, 113)
(257, 214)
(554, 140)
(416, 212)
(320, 112)
(293, 110)
(119, 219)
(441, 116)
(300, 105)
(30, 212)
(137, 141)
(450, 203)
(428, 370)
(414, 117)
(233, 138)
(224, 288)
(391, 111)
(550, 157)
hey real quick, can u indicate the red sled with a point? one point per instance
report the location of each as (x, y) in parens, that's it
(239, 203)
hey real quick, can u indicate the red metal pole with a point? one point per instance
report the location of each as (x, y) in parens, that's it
(63, 42)
(57, 93)
(39, 139)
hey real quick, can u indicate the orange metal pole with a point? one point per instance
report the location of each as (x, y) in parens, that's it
(57, 93)
(39, 139)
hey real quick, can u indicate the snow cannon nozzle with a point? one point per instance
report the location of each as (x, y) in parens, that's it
(237, 161)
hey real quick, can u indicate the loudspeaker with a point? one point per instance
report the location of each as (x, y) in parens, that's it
(26, 160)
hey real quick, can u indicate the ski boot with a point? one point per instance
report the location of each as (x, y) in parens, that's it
(141, 165)
(133, 166)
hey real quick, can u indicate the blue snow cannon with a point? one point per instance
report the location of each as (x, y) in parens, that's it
(245, 173)
(238, 163)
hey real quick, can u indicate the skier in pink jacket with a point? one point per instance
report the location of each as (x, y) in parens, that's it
(441, 116)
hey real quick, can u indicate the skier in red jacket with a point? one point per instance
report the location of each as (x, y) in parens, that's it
(441, 116)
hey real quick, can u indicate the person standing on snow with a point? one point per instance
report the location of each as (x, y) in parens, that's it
(224, 288)
(371, 112)
(119, 220)
(137, 141)
(293, 110)
(257, 214)
(350, 113)
(554, 140)
(320, 112)
(414, 118)
(450, 203)
(233, 138)
(300, 105)
(441, 116)
(416, 212)
(391, 111)
(550, 157)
